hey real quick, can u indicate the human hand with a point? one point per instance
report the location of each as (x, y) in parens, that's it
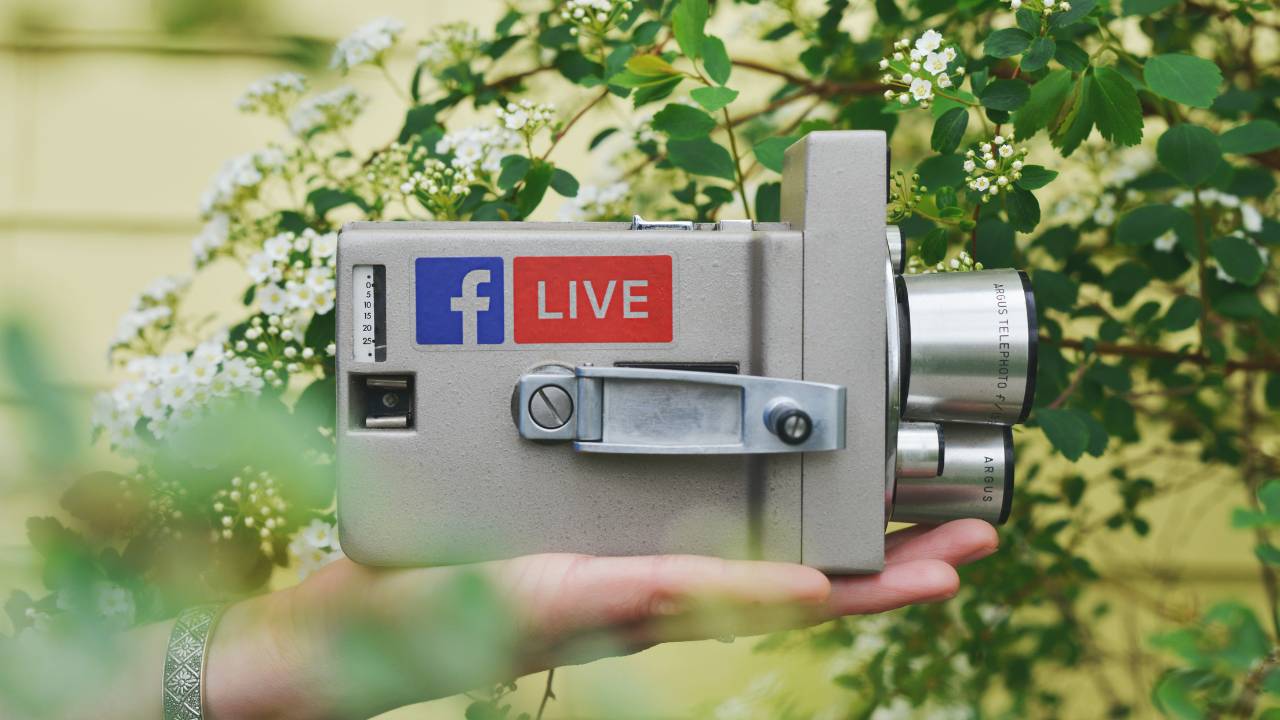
(353, 641)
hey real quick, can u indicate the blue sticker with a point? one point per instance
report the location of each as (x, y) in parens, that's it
(460, 301)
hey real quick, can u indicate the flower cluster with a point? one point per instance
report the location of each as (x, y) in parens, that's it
(449, 45)
(273, 95)
(150, 315)
(1040, 7)
(315, 546)
(441, 187)
(327, 112)
(595, 17)
(905, 193)
(294, 273)
(368, 45)
(993, 167)
(212, 238)
(239, 180)
(251, 505)
(913, 71)
(167, 392)
(481, 147)
(526, 118)
(608, 202)
(388, 170)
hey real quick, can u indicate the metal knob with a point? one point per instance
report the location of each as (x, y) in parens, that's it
(786, 420)
(977, 481)
(968, 344)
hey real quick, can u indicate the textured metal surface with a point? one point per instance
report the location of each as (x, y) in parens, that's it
(970, 348)
(833, 189)
(184, 662)
(462, 485)
(976, 482)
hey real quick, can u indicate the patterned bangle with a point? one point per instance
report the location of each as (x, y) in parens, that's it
(184, 662)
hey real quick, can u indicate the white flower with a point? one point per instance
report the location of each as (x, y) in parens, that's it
(597, 203)
(989, 164)
(944, 81)
(929, 41)
(1006, 150)
(935, 63)
(969, 166)
(212, 237)
(273, 94)
(921, 89)
(980, 184)
(482, 147)
(318, 534)
(115, 604)
(301, 295)
(884, 63)
(261, 268)
(948, 54)
(277, 248)
(368, 44)
(1250, 218)
(1104, 215)
(238, 179)
(324, 246)
(272, 299)
(327, 112)
(176, 392)
(449, 45)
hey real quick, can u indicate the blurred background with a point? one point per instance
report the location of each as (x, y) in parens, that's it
(113, 117)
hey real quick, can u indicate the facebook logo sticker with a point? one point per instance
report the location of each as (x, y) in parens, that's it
(460, 301)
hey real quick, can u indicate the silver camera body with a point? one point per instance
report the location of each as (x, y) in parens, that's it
(751, 390)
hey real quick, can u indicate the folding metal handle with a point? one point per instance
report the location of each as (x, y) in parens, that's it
(674, 412)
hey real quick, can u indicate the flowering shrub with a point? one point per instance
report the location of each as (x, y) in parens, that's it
(1152, 270)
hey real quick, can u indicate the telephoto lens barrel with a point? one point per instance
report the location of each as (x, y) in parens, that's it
(976, 482)
(968, 342)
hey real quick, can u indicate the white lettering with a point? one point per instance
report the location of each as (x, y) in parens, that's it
(542, 304)
(600, 308)
(628, 298)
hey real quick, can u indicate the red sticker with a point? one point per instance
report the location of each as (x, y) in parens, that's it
(593, 299)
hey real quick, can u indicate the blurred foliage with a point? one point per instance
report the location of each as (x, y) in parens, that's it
(1153, 272)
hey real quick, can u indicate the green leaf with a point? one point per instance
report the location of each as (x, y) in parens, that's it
(1008, 95)
(716, 59)
(1039, 54)
(535, 187)
(1174, 694)
(1183, 312)
(713, 98)
(948, 130)
(1190, 152)
(325, 199)
(564, 183)
(688, 23)
(1075, 125)
(1116, 109)
(1023, 209)
(1125, 281)
(681, 122)
(1142, 225)
(1071, 55)
(1269, 499)
(1044, 104)
(1006, 43)
(1035, 177)
(701, 157)
(1272, 391)
(1145, 7)
(1267, 553)
(769, 202)
(1183, 78)
(995, 243)
(770, 151)
(933, 248)
(1054, 291)
(1066, 429)
(1079, 9)
(1251, 138)
(651, 66)
(514, 168)
(1238, 258)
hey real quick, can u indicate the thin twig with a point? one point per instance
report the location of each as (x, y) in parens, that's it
(548, 694)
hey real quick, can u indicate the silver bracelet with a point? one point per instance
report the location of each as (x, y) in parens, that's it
(184, 662)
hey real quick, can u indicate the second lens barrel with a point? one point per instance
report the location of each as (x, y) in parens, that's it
(968, 346)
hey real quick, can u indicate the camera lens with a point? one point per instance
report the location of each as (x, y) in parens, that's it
(968, 346)
(920, 450)
(976, 482)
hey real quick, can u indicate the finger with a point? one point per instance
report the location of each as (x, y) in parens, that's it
(901, 583)
(563, 594)
(956, 542)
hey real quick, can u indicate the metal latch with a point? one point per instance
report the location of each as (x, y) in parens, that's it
(673, 412)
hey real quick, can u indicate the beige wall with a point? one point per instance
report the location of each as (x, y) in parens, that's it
(109, 132)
